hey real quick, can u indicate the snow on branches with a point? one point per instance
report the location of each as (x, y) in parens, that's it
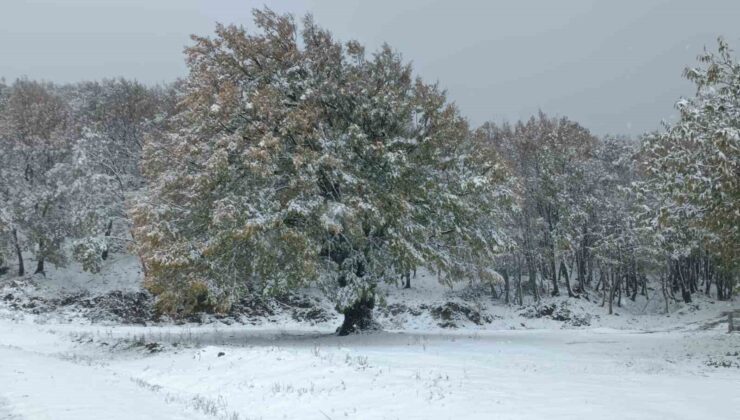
(298, 161)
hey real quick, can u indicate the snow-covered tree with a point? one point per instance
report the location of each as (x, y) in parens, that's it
(298, 161)
(693, 168)
(546, 156)
(577, 216)
(5, 231)
(114, 116)
(48, 190)
(618, 244)
(34, 139)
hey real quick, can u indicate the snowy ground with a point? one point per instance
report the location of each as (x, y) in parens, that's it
(632, 366)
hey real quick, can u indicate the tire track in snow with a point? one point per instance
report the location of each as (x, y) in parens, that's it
(5, 413)
(45, 387)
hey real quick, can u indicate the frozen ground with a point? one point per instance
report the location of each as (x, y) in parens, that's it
(87, 372)
(638, 365)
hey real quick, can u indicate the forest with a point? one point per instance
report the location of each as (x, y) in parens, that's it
(287, 159)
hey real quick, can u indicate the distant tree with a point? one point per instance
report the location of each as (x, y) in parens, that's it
(4, 217)
(49, 193)
(5, 230)
(119, 113)
(546, 157)
(618, 244)
(35, 138)
(693, 168)
(114, 116)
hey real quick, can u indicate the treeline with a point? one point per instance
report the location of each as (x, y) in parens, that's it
(590, 221)
(69, 159)
(287, 158)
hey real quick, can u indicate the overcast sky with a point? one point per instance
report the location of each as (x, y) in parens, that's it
(614, 66)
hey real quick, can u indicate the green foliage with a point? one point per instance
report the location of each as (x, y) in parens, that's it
(299, 162)
(694, 167)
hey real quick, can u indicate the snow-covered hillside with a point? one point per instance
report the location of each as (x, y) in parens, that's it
(431, 362)
(216, 371)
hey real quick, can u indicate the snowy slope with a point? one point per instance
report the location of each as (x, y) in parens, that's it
(70, 295)
(641, 364)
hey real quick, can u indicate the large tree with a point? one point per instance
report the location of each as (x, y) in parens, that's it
(298, 161)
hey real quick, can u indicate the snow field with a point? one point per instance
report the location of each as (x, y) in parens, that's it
(67, 372)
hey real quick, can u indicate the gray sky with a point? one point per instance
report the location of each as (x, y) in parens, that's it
(614, 66)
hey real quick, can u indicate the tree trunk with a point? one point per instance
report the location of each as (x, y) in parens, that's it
(21, 267)
(685, 292)
(603, 279)
(612, 290)
(519, 291)
(40, 267)
(590, 275)
(494, 295)
(533, 279)
(108, 231)
(554, 274)
(665, 293)
(40, 263)
(729, 288)
(506, 285)
(564, 272)
(359, 316)
(707, 277)
(634, 291)
(581, 261)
